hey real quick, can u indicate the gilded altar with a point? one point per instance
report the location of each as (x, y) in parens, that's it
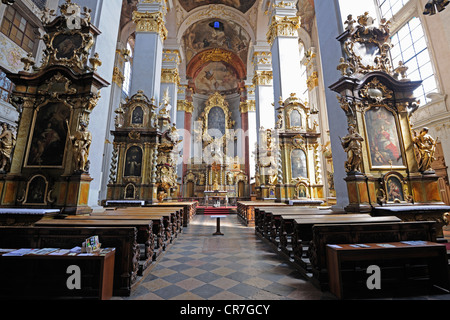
(388, 164)
(143, 165)
(219, 169)
(289, 166)
(49, 166)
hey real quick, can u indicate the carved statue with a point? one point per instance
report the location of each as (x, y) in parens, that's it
(352, 146)
(7, 141)
(427, 147)
(81, 142)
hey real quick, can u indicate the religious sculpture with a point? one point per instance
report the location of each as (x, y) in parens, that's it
(352, 146)
(81, 142)
(7, 140)
(426, 146)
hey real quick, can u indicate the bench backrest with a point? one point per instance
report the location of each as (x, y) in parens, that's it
(323, 234)
(122, 238)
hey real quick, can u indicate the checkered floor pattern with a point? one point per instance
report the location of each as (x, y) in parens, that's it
(236, 266)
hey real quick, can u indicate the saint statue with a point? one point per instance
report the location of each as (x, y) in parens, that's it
(352, 146)
(7, 141)
(427, 147)
(81, 142)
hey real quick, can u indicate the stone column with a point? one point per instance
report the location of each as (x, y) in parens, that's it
(170, 79)
(263, 89)
(106, 17)
(115, 101)
(148, 52)
(329, 27)
(283, 40)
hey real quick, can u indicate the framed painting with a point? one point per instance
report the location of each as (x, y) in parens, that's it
(383, 139)
(36, 190)
(394, 189)
(216, 122)
(49, 135)
(133, 162)
(298, 164)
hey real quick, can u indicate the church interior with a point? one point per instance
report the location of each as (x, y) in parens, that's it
(225, 149)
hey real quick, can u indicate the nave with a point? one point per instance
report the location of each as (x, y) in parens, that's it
(236, 266)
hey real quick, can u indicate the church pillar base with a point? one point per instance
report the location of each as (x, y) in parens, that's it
(74, 194)
(358, 193)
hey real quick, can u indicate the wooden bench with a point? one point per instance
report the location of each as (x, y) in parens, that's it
(312, 261)
(144, 237)
(171, 216)
(24, 216)
(246, 210)
(123, 239)
(43, 276)
(286, 227)
(161, 238)
(383, 255)
(263, 216)
(187, 209)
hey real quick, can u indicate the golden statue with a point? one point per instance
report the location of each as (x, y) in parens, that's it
(427, 147)
(7, 141)
(81, 142)
(352, 146)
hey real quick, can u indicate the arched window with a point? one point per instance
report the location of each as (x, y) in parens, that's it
(127, 71)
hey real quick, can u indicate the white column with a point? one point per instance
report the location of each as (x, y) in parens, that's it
(263, 89)
(106, 17)
(283, 39)
(170, 78)
(148, 52)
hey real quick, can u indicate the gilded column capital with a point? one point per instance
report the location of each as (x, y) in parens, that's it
(283, 26)
(186, 106)
(170, 76)
(247, 106)
(313, 81)
(118, 77)
(150, 22)
(262, 78)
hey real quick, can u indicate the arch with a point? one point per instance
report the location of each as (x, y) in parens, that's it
(36, 192)
(214, 11)
(130, 191)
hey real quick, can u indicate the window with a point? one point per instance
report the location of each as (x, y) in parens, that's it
(410, 47)
(127, 72)
(16, 27)
(40, 3)
(5, 87)
(303, 78)
(388, 8)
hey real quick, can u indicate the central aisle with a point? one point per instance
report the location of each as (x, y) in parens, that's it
(236, 266)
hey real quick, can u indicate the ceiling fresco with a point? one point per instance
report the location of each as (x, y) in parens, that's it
(241, 5)
(228, 36)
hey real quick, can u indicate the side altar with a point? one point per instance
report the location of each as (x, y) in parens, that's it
(388, 164)
(48, 165)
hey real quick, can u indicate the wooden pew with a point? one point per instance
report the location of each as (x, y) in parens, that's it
(171, 216)
(144, 237)
(284, 232)
(323, 234)
(126, 264)
(302, 232)
(246, 210)
(187, 209)
(161, 238)
(272, 218)
(262, 215)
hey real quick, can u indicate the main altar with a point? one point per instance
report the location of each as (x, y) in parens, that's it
(219, 174)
